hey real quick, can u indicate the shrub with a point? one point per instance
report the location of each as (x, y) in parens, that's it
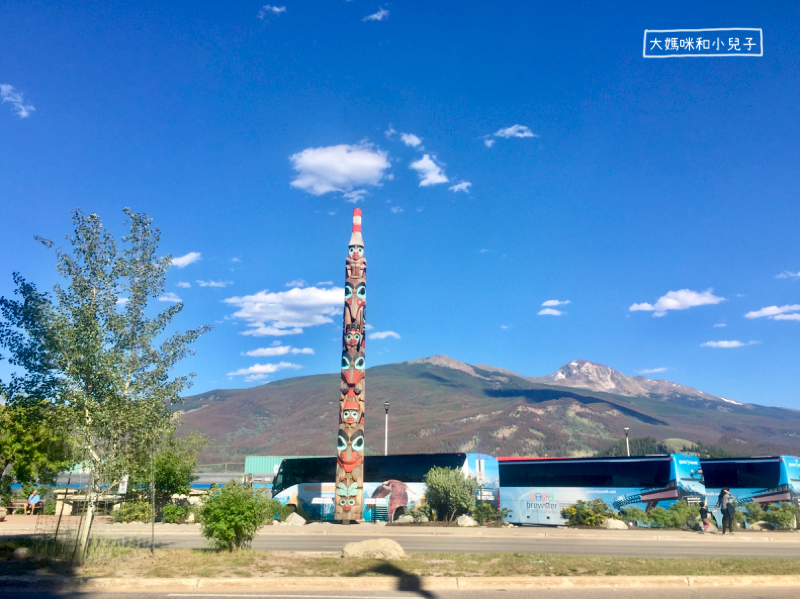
(49, 506)
(634, 514)
(132, 511)
(284, 511)
(590, 513)
(449, 493)
(233, 514)
(677, 515)
(782, 515)
(174, 513)
(754, 512)
(485, 513)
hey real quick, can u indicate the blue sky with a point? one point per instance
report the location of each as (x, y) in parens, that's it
(504, 155)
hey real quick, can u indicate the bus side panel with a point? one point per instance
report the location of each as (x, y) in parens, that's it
(790, 475)
(688, 474)
(542, 506)
(484, 468)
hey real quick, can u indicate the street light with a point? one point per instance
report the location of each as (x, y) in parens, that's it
(627, 445)
(386, 431)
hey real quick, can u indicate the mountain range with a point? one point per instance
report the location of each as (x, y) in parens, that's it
(439, 404)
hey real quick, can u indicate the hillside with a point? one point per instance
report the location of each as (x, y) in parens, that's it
(439, 404)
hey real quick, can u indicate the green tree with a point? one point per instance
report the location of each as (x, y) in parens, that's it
(233, 514)
(93, 349)
(173, 471)
(33, 444)
(639, 447)
(449, 492)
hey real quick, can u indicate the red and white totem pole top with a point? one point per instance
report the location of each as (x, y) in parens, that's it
(355, 238)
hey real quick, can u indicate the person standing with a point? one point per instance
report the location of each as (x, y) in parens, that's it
(704, 516)
(726, 503)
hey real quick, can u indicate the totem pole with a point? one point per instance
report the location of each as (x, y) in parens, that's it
(350, 445)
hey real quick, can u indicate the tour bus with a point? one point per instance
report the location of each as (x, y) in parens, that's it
(392, 484)
(535, 490)
(763, 480)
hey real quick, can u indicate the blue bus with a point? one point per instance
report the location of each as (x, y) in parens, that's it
(392, 484)
(535, 490)
(764, 480)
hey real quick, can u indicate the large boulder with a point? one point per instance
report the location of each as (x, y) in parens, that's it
(380, 548)
(295, 519)
(22, 553)
(614, 524)
(466, 521)
(404, 519)
(423, 519)
(761, 526)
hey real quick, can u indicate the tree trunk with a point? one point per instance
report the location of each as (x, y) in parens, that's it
(86, 526)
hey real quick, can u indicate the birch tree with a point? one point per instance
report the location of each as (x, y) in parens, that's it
(102, 351)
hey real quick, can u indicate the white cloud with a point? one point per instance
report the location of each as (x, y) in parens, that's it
(122, 300)
(778, 313)
(409, 139)
(389, 132)
(8, 94)
(324, 283)
(353, 197)
(651, 371)
(396, 209)
(429, 172)
(257, 371)
(461, 187)
(503, 326)
(170, 297)
(551, 311)
(278, 351)
(788, 275)
(339, 169)
(381, 15)
(287, 313)
(483, 251)
(680, 300)
(382, 335)
(184, 284)
(515, 131)
(368, 327)
(489, 142)
(269, 9)
(186, 259)
(720, 324)
(555, 302)
(236, 260)
(214, 284)
(296, 283)
(728, 344)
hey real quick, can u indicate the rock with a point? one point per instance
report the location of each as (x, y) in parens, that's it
(466, 521)
(190, 518)
(3, 513)
(761, 526)
(423, 519)
(614, 524)
(404, 519)
(380, 548)
(22, 553)
(508, 525)
(295, 519)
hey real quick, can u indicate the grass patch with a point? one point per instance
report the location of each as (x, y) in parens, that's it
(116, 559)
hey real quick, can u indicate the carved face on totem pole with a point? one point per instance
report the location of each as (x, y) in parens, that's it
(350, 447)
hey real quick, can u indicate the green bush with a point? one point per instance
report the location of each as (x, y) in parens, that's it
(449, 493)
(233, 514)
(174, 513)
(485, 513)
(284, 511)
(754, 512)
(49, 506)
(590, 513)
(676, 516)
(782, 515)
(129, 512)
(634, 514)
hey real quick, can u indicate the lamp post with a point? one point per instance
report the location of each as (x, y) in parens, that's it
(627, 444)
(386, 431)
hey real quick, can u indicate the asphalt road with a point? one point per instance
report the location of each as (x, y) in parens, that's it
(707, 592)
(692, 546)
